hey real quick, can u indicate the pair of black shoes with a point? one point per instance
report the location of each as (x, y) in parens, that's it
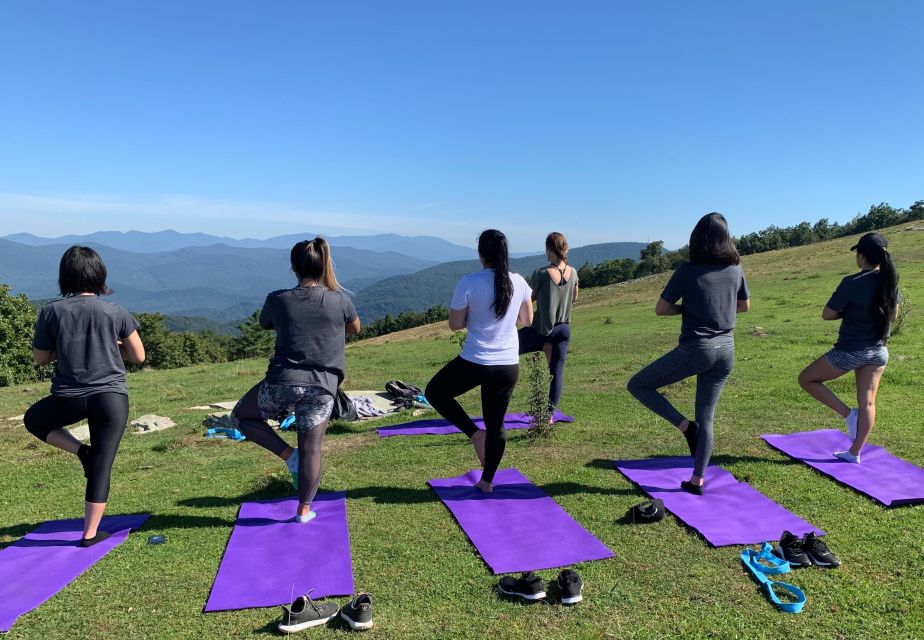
(529, 587)
(805, 552)
(305, 613)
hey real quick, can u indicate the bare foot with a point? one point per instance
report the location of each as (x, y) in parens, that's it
(478, 443)
(485, 487)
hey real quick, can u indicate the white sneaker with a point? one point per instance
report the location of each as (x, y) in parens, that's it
(305, 518)
(846, 456)
(851, 422)
(292, 466)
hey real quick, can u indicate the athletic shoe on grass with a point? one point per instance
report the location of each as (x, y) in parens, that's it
(791, 549)
(305, 613)
(358, 612)
(818, 552)
(528, 586)
(570, 587)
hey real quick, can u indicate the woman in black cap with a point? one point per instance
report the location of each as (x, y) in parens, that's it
(866, 303)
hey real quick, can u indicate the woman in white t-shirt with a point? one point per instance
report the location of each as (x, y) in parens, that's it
(489, 303)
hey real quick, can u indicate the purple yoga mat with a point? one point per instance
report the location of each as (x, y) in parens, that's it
(880, 475)
(518, 527)
(271, 560)
(48, 558)
(440, 427)
(728, 512)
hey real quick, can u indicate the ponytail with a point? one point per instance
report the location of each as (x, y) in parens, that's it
(492, 247)
(886, 297)
(311, 260)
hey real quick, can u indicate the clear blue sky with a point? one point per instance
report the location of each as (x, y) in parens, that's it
(605, 120)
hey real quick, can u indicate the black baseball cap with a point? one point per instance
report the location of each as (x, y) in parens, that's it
(870, 242)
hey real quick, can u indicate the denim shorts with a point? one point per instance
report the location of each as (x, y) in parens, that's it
(312, 405)
(850, 360)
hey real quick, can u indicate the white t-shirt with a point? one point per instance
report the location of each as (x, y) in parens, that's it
(491, 340)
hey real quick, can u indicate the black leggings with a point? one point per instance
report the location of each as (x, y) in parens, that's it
(560, 337)
(106, 413)
(496, 382)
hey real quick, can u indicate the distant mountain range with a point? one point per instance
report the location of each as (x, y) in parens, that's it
(216, 282)
(434, 285)
(222, 285)
(421, 247)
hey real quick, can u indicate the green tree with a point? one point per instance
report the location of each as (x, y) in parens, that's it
(653, 260)
(254, 341)
(17, 322)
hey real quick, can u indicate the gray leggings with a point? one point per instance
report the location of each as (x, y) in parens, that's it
(711, 361)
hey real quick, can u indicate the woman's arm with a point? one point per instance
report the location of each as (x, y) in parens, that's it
(42, 356)
(665, 308)
(352, 328)
(525, 317)
(458, 319)
(830, 314)
(743, 306)
(577, 290)
(132, 349)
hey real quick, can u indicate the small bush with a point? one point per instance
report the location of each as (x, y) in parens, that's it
(538, 410)
(905, 309)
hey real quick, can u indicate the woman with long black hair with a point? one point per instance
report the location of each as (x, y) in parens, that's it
(489, 303)
(866, 303)
(311, 322)
(89, 338)
(712, 289)
(555, 290)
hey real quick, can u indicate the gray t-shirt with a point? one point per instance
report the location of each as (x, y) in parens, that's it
(83, 330)
(710, 296)
(310, 337)
(853, 298)
(553, 301)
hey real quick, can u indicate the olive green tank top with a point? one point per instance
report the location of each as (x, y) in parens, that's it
(553, 301)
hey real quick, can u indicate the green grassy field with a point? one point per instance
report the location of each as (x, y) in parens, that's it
(427, 579)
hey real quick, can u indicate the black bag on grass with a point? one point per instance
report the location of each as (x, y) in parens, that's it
(344, 409)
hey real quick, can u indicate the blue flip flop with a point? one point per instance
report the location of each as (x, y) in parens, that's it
(764, 563)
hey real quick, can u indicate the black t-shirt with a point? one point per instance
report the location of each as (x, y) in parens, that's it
(83, 330)
(310, 337)
(710, 296)
(853, 298)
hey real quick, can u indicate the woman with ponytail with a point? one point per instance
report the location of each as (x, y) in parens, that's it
(311, 322)
(489, 303)
(866, 303)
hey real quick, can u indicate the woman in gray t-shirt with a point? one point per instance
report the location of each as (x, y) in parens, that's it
(311, 323)
(555, 289)
(713, 290)
(866, 303)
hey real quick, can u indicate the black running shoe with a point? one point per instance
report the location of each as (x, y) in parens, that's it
(691, 435)
(790, 549)
(570, 587)
(528, 586)
(358, 612)
(817, 551)
(305, 613)
(689, 487)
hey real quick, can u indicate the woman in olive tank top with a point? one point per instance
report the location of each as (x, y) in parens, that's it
(555, 289)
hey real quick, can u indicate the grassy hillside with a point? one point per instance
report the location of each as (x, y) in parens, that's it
(407, 550)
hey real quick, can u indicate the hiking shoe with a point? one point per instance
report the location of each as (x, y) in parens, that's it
(791, 549)
(817, 551)
(358, 612)
(528, 586)
(691, 435)
(570, 587)
(851, 423)
(305, 613)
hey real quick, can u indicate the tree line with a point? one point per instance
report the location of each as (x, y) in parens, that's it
(167, 349)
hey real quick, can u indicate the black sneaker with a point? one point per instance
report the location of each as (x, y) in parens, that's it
(528, 586)
(817, 551)
(305, 613)
(691, 435)
(358, 612)
(790, 549)
(570, 587)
